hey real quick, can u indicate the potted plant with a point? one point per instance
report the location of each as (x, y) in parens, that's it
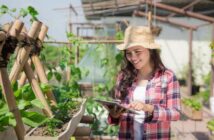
(192, 108)
(210, 126)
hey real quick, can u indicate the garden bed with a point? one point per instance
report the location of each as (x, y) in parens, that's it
(67, 130)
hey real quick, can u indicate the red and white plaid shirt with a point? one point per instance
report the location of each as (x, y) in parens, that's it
(163, 93)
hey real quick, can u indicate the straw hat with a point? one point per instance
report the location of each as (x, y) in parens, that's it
(138, 36)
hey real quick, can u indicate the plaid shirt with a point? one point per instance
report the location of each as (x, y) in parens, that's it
(163, 93)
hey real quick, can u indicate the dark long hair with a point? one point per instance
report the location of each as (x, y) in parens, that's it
(129, 73)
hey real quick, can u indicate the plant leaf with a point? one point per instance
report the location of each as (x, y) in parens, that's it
(23, 12)
(33, 119)
(37, 103)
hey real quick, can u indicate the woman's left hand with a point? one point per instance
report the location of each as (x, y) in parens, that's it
(140, 106)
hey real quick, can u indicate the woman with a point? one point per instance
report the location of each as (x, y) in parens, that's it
(147, 86)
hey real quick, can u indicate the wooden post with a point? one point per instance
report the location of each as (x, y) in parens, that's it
(150, 19)
(212, 67)
(2, 39)
(77, 54)
(40, 69)
(21, 61)
(7, 89)
(35, 86)
(189, 78)
(22, 79)
(24, 52)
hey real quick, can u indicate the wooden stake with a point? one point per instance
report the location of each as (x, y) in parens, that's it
(150, 19)
(22, 80)
(21, 61)
(24, 52)
(40, 69)
(35, 86)
(7, 89)
(2, 39)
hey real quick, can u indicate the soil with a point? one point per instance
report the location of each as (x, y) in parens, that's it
(42, 131)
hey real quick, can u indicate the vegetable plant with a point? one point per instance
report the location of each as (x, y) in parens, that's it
(194, 104)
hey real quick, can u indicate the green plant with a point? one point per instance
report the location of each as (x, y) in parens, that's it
(210, 125)
(194, 104)
(110, 62)
(119, 35)
(26, 101)
(203, 96)
(6, 118)
(51, 125)
(23, 12)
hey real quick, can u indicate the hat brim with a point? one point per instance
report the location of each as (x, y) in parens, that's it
(145, 45)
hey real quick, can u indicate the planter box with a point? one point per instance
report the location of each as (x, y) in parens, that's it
(191, 113)
(66, 135)
(86, 89)
(8, 134)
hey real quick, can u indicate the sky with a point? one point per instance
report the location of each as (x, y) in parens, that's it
(56, 20)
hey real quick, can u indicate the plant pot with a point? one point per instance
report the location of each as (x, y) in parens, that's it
(191, 113)
(86, 89)
(8, 134)
(211, 135)
(212, 105)
(195, 89)
(69, 130)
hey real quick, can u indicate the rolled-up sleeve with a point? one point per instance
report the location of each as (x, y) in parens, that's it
(172, 110)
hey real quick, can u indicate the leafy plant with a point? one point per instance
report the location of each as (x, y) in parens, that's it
(111, 63)
(26, 101)
(51, 125)
(210, 125)
(203, 96)
(119, 35)
(194, 104)
(6, 118)
(23, 12)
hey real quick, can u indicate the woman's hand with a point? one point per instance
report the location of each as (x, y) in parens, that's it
(115, 111)
(140, 106)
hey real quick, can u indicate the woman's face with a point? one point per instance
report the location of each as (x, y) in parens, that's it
(138, 56)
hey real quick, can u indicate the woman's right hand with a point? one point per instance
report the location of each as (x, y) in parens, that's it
(115, 111)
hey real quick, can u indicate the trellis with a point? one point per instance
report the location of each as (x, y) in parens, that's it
(27, 46)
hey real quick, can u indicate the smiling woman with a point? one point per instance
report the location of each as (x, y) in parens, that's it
(147, 86)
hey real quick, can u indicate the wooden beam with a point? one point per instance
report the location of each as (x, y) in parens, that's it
(185, 7)
(163, 19)
(7, 88)
(2, 40)
(190, 78)
(39, 67)
(36, 89)
(88, 42)
(180, 11)
(24, 52)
